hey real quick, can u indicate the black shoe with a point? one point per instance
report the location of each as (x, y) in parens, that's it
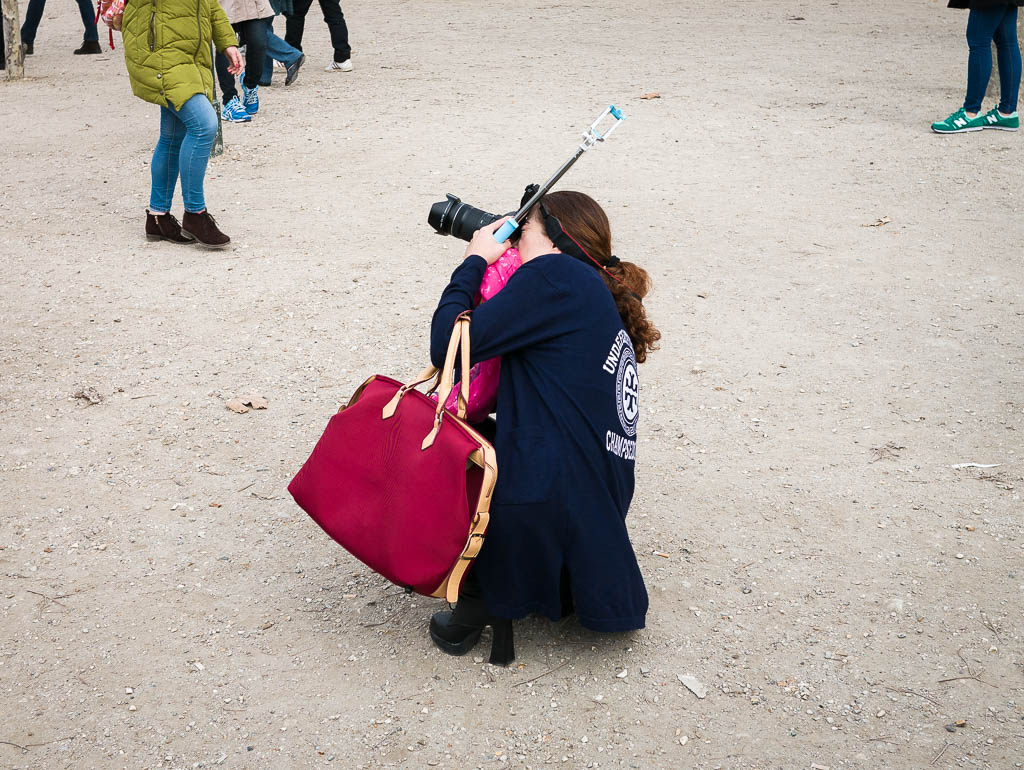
(453, 638)
(26, 49)
(457, 639)
(457, 632)
(89, 46)
(293, 70)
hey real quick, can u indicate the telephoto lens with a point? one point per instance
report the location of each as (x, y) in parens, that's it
(453, 217)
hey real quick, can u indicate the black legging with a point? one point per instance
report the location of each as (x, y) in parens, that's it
(296, 21)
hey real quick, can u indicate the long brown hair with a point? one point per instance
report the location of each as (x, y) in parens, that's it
(585, 221)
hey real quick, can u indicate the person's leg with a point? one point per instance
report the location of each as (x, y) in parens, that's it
(164, 167)
(1008, 53)
(254, 35)
(981, 27)
(33, 14)
(232, 109)
(225, 78)
(278, 49)
(268, 61)
(88, 11)
(295, 22)
(339, 30)
(200, 123)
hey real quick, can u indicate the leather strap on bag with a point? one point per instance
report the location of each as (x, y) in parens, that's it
(458, 341)
(431, 372)
(473, 544)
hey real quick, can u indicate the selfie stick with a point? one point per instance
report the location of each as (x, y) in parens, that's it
(590, 137)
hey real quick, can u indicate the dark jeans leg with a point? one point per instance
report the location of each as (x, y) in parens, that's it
(295, 23)
(253, 33)
(339, 30)
(981, 27)
(88, 11)
(225, 78)
(33, 14)
(1008, 55)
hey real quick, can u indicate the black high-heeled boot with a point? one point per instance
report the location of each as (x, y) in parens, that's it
(457, 631)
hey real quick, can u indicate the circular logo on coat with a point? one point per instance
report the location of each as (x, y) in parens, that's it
(627, 391)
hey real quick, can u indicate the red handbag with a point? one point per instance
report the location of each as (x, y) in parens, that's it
(401, 483)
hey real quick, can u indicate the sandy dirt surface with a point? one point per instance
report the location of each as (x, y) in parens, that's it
(812, 556)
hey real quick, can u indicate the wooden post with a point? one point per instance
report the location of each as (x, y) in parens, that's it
(15, 56)
(218, 143)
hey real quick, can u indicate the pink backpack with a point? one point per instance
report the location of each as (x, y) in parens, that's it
(483, 377)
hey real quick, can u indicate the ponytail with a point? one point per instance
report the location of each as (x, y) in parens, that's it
(586, 224)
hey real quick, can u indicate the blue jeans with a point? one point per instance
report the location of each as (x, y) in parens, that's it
(984, 26)
(186, 137)
(35, 12)
(277, 49)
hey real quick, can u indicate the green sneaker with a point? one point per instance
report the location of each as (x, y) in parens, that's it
(958, 123)
(999, 122)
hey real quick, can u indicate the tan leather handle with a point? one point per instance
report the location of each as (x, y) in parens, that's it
(448, 371)
(431, 372)
(462, 404)
(459, 341)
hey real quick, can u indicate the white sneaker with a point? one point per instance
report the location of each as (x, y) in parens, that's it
(340, 66)
(279, 65)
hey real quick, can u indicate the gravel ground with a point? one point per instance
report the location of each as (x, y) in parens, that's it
(848, 598)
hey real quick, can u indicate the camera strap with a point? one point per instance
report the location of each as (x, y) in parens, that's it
(569, 245)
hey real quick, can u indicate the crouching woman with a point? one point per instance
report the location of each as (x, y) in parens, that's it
(570, 328)
(167, 52)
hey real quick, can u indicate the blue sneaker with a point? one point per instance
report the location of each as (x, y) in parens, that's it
(234, 112)
(250, 97)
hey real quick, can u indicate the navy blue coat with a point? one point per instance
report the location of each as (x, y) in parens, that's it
(566, 440)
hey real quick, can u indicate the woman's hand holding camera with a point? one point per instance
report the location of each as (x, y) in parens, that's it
(484, 245)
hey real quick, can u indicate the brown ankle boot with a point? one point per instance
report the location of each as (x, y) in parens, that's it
(164, 227)
(203, 227)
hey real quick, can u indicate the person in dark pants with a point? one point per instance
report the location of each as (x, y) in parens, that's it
(989, 20)
(34, 13)
(296, 22)
(249, 19)
(571, 329)
(233, 110)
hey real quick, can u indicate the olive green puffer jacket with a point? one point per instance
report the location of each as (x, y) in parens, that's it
(167, 48)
